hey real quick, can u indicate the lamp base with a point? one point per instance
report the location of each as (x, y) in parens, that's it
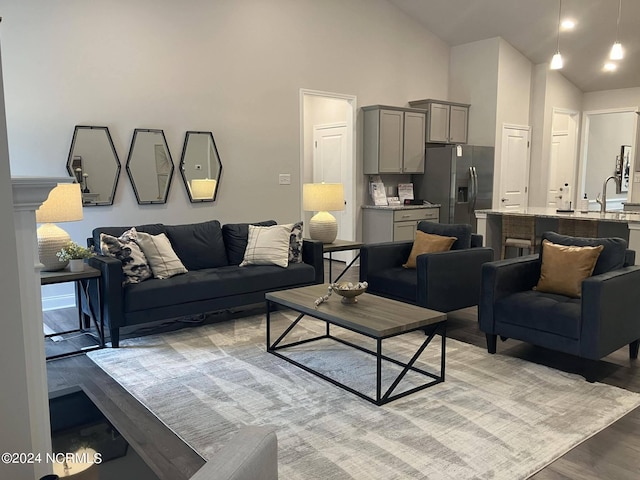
(323, 227)
(51, 239)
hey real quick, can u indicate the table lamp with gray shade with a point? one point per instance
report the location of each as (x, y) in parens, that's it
(322, 198)
(64, 204)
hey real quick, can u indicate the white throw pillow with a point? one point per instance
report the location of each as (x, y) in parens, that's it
(163, 260)
(267, 246)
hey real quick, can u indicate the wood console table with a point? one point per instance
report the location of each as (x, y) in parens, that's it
(341, 246)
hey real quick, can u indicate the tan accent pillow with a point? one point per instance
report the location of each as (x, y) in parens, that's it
(428, 243)
(565, 267)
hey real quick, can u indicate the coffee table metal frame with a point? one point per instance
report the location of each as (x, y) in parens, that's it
(380, 398)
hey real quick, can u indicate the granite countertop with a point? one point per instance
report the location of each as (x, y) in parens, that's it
(400, 207)
(621, 216)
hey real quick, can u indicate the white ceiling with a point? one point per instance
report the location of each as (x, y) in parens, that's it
(531, 27)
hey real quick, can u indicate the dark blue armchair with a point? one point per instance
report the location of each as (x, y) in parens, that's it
(605, 318)
(443, 281)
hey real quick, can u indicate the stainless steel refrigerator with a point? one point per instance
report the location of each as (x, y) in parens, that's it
(459, 178)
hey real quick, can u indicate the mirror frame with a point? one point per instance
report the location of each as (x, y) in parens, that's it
(182, 162)
(128, 166)
(115, 156)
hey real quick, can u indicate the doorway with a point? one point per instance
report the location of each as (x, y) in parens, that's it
(514, 170)
(327, 129)
(604, 134)
(563, 159)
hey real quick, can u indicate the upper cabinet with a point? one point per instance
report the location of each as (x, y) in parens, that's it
(394, 139)
(447, 122)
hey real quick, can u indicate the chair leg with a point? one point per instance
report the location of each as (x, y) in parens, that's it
(492, 341)
(633, 349)
(115, 337)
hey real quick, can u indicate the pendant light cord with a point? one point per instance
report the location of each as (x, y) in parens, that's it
(618, 23)
(559, 18)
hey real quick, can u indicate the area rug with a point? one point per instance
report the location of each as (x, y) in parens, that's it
(494, 417)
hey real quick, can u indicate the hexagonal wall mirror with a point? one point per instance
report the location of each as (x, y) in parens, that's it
(200, 166)
(149, 166)
(94, 163)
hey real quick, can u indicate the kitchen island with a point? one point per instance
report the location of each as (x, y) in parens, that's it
(623, 224)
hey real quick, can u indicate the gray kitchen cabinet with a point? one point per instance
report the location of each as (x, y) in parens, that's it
(395, 224)
(447, 122)
(394, 140)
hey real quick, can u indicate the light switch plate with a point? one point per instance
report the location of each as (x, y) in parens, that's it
(284, 179)
(636, 177)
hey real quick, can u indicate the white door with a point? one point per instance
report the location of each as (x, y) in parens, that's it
(331, 165)
(514, 172)
(561, 166)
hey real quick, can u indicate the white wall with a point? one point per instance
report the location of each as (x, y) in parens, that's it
(473, 79)
(606, 99)
(550, 90)
(234, 68)
(231, 67)
(512, 106)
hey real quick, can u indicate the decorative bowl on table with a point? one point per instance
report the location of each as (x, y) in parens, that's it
(349, 291)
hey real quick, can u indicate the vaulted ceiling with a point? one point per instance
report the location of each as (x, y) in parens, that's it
(531, 26)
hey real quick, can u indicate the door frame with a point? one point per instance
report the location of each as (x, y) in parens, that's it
(584, 145)
(351, 150)
(575, 114)
(503, 159)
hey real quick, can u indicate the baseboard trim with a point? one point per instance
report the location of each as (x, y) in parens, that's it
(56, 302)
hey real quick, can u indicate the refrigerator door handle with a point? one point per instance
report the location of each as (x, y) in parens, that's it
(474, 191)
(471, 188)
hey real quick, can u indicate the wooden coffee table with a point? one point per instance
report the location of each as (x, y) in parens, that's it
(374, 317)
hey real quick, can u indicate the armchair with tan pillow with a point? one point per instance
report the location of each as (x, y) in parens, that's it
(440, 270)
(578, 296)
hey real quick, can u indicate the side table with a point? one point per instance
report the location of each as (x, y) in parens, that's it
(82, 281)
(341, 246)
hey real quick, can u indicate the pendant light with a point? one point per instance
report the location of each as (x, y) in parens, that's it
(616, 50)
(556, 61)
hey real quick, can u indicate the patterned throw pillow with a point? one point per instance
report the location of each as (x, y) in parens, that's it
(134, 264)
(295, 243)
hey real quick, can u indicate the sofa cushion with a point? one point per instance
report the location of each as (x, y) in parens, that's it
(611, 258)
(428, 243)
(163, 260)
(198, 245)
(397, 282)
(546, 312)
(461, 231)
(564, 267)
(268, 246)
(207, 284)
(135, 265)
(235, 237)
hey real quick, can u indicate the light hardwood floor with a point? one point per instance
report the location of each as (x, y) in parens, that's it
(613, 454)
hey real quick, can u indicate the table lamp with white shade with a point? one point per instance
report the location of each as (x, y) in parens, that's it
(203, 188)
(322, 198)
(64, 204)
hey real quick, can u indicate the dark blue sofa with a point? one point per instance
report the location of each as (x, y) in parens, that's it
(443, 281)
(605, 318)
(214, 281)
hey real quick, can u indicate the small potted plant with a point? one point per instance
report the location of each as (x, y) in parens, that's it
(75, 255)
